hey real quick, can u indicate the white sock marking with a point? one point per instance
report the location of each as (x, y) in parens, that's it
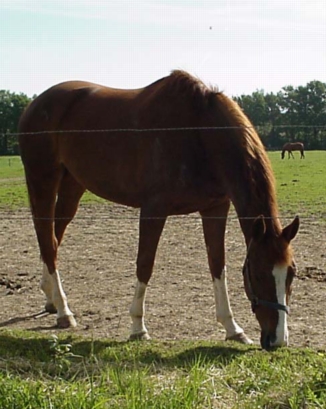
(52, 287)
(224, 313)
(137, 309)
(46, 285)
(282, 335)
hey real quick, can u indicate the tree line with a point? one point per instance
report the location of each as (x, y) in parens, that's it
(292, 114)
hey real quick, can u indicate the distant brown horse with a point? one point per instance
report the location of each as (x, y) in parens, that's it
(173, 147)
(295, 146)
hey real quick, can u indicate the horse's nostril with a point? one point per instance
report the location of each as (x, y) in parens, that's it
(267, 341)
(264, 340)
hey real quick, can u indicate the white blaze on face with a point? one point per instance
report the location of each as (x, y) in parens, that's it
(280, 275)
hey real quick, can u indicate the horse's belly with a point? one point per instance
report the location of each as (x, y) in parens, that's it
(107, 182)
(115, 195)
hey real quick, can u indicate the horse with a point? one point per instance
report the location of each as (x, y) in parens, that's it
(295, 146)
(173, 147)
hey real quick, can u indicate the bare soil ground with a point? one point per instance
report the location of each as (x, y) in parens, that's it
(97, 265)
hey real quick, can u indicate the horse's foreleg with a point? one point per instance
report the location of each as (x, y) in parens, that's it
(137, 313)
(291, 154)
(150, 230)
(214, 225)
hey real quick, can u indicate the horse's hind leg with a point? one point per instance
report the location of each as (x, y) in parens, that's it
(69, 194)
(214, 225)
(43, 186)
(43, 180)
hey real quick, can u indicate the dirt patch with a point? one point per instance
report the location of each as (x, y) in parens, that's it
(97, 265)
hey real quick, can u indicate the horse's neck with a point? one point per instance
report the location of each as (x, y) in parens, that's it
(239, 161)
(248, 208)
(251, 188)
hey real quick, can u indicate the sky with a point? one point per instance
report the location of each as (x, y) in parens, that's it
(240, 46)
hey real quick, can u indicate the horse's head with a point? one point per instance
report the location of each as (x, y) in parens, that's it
(268, 273)
(282, 154)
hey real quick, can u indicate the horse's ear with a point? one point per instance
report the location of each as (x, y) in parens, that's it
(290, 231)
(258, 228)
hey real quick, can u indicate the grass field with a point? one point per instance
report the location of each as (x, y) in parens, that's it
(13, 193)
(301, 184)
(47, 372)
(43, 371)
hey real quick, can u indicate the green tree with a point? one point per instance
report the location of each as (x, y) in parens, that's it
(11, 108)
(263, 111)
(293, 114)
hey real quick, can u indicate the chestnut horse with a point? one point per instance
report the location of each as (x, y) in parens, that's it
(295, 146)
(171, 148)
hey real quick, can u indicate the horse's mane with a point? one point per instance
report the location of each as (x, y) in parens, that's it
(256, 164)
(181, 84)
(245, 139)
(181, 81)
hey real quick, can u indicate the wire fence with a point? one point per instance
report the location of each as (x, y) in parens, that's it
(19, 182)
(164, 129)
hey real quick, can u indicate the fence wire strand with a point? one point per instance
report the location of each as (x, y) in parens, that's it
(5, 214)
(168, 129)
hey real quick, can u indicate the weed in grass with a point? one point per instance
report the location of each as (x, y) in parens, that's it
(61, 354)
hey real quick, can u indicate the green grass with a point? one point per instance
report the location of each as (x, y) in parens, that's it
(301, 184)
(13, 193)
(41, 371)
(38, 371)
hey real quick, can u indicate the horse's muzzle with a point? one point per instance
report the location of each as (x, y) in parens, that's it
(269, 341)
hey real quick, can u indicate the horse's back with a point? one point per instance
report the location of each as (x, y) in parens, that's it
(293, 146)
(56, 105)
(89, 130)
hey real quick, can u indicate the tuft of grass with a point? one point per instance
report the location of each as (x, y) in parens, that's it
(42, 371)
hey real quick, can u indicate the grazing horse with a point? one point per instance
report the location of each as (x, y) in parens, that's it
(295, 146)
(171, 148)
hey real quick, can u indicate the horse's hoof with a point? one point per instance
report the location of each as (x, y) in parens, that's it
(242, 338)
(66, 321)
(50, 308)
(140, 336)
